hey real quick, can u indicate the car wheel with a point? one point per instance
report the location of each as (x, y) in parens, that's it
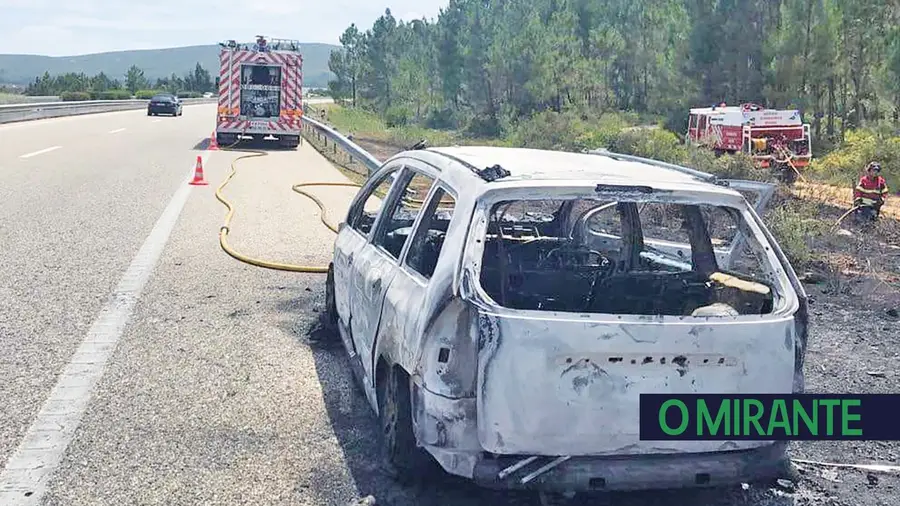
(400, 455)
(331, 315)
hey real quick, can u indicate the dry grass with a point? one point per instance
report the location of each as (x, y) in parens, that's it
(840, 197)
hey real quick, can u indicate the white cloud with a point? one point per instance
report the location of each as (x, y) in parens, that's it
(58, 27)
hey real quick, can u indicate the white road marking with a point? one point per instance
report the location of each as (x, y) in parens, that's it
(24, 480)
(41, 152)
(117, 130)
(156, 120)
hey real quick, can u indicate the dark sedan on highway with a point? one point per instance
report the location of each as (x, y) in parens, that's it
(164, 104)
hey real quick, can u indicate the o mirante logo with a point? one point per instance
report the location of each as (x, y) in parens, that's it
(768, 417)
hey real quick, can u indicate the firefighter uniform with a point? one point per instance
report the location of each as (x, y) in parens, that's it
(872, 188)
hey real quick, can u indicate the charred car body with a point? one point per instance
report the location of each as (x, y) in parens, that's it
(504, 308)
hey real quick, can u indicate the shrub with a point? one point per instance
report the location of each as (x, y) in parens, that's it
(147, 94)
(654, 143)
(74, 96)
(112, 95)
(440, 119)
(189, 94)
(549, 130)
(482, 125)
(397, 116)
(859, 148)
(796, 226)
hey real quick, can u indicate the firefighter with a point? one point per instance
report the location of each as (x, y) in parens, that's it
(870, 192)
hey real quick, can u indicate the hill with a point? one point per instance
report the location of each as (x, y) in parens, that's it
(156, 63)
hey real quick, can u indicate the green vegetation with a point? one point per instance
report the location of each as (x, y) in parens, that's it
(797, 226)
(860, 147)
(7, 97)
(156, 63)
(74, 85)
(575, 74)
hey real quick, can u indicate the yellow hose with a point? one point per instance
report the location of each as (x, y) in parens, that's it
(839, 220)
(223, 232)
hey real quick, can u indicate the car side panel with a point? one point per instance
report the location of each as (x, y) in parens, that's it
(371, 275)
(347, 245)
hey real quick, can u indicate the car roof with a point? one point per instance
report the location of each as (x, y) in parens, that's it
(556, 167)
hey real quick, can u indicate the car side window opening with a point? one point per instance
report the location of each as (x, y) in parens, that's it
(428, 241)
(633, 258)
(363, 216)
(396, 228)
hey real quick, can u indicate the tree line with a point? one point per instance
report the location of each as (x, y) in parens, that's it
(103, 86)
(484, 65)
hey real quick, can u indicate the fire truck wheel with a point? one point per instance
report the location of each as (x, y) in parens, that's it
(290, 141)
(224, 140)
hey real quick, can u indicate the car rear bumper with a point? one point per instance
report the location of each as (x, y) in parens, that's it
(447, 429)
(163, 110)
(641, 472)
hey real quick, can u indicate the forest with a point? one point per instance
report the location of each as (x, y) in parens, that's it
(483, 67)
(79, 86)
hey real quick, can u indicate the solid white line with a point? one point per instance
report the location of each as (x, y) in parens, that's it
(26, 476)
(117, 130)
(41, 152)
(156, 121)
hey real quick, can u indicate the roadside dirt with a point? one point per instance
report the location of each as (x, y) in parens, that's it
(854, 347)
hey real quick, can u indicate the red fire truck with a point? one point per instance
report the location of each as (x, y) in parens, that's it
(775, 138)
(260, 91)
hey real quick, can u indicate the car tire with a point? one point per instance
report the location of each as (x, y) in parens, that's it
(331, 315)
(400, 455)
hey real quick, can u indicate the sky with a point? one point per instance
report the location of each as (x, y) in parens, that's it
(74, 27)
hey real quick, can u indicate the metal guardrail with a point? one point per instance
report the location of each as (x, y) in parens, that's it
(343, 142)
(23, 112)
(27, 99)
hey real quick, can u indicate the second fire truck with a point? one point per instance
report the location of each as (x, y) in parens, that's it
(774, 138)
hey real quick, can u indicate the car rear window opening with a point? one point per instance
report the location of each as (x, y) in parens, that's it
(639, 258)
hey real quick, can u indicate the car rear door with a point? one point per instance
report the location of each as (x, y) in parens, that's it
(378, 264)
(353, 238)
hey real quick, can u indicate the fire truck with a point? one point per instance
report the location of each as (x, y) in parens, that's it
(774, 138)
(260, 91)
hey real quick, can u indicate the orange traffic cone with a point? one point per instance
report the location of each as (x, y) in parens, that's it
(198, 173)
(213, 144)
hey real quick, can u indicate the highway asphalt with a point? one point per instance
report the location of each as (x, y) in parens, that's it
(213, 393)
(209, 390)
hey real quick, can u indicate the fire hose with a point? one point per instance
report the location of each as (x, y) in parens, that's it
(226, 226)
(839, 220)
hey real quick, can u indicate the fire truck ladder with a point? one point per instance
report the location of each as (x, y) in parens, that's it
(283, 45)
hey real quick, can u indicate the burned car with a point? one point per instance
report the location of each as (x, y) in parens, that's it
(503, 309)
